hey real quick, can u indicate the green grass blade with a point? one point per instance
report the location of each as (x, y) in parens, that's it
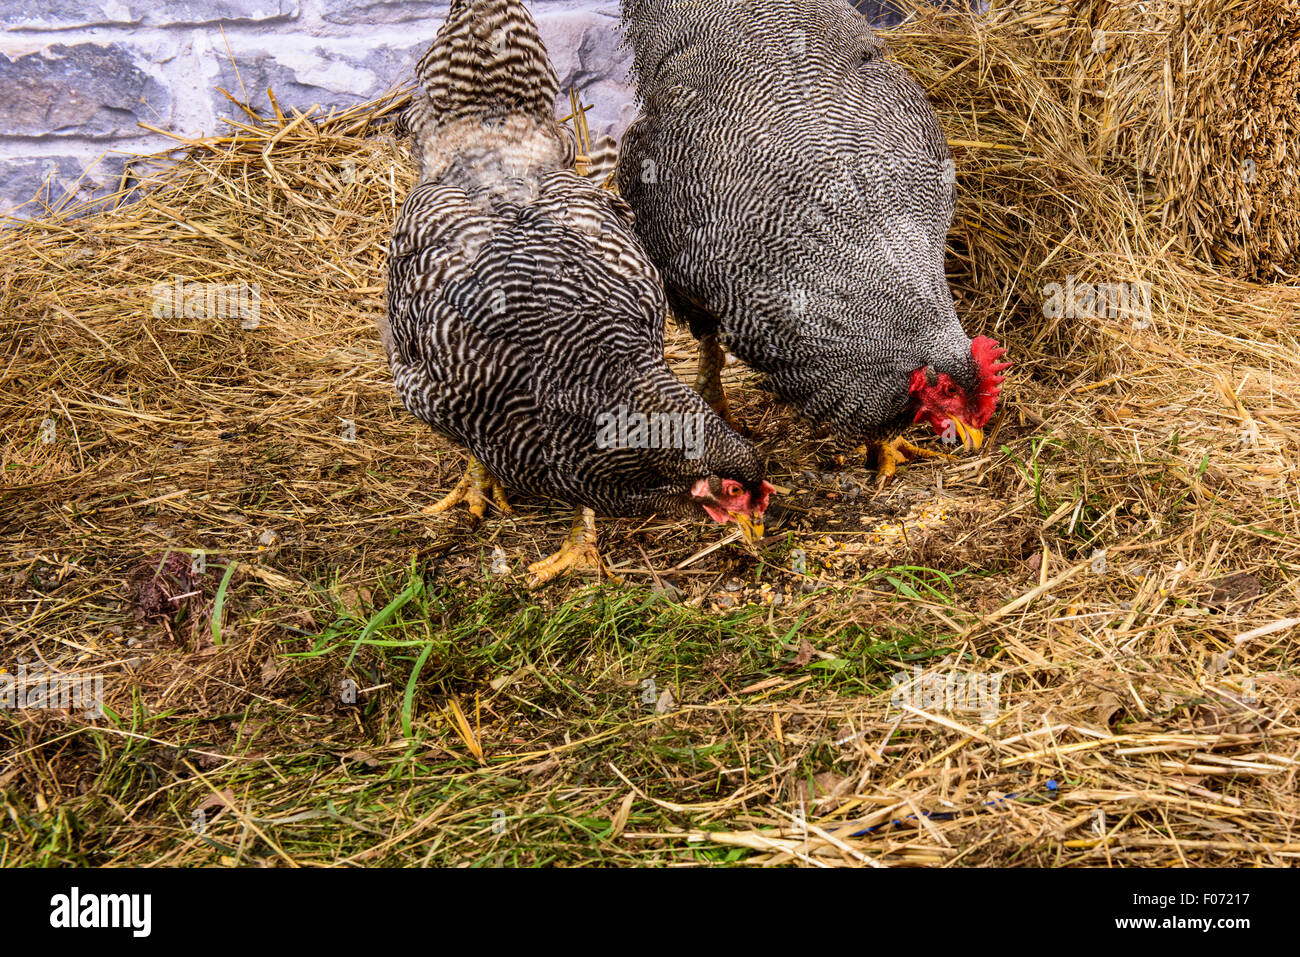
(408, 697)
(219, 605)
(411, 591)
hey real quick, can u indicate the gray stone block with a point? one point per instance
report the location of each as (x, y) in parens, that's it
(77, 14)
(84, 89)
(584, 45)
(303, 75)
(585, 48)
(190, 12)
(66, 14)
(363, 12)
(49, 180)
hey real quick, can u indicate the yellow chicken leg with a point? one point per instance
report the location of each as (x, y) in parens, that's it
(889, 454)
(708, 380)
(477, 488)
(578, 551)
(894, 452)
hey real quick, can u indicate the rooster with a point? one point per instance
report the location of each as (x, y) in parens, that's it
(525, 321)
(795, 189)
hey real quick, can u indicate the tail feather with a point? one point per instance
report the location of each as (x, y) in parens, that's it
(487, 60)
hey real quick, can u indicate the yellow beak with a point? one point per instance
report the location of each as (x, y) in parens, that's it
(751, 528)
(971, 437)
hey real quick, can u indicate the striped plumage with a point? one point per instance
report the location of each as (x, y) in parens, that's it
(488, 64)
(795, 189)
(521, 305)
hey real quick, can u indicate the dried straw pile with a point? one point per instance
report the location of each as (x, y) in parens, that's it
(1035, 213)
(1196, 106)
(138, 391)
(1148, 703)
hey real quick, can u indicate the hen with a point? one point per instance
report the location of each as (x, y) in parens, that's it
(525, 321)
(795, 189)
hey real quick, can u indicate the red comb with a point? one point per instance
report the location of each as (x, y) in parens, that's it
(986, 353)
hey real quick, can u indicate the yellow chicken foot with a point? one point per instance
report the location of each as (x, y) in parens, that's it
(478, 488)
(708, 381)
(894, 452)
(578, 551)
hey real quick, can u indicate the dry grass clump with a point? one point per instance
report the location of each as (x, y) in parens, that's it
(1194, 106)
(1038, 219)
(1124, 556)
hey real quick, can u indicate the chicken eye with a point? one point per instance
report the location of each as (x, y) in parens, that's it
(730, 489)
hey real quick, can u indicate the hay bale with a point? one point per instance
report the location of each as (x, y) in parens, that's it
(1195, 106)
(1036, 208)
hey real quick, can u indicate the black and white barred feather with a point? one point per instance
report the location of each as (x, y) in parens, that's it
(521, 305)
(795, 189)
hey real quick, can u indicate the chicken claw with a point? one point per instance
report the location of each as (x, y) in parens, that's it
(894, 452)
(578, 551)
(476, 487)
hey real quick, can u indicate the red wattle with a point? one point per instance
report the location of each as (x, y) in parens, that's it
(719, 515)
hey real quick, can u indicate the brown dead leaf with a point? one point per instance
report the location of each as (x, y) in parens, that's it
(805, 654)
(1235, 594)
(621, 815)
(1108, 705)
(218, 799)
(824, 790)
(364, 758)
(209, 761)
(355, 600)
(541, 767)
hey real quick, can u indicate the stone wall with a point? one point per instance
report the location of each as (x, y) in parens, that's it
(79, 77)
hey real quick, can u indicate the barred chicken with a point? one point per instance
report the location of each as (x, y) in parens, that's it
(795, 189)
(524, 320)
